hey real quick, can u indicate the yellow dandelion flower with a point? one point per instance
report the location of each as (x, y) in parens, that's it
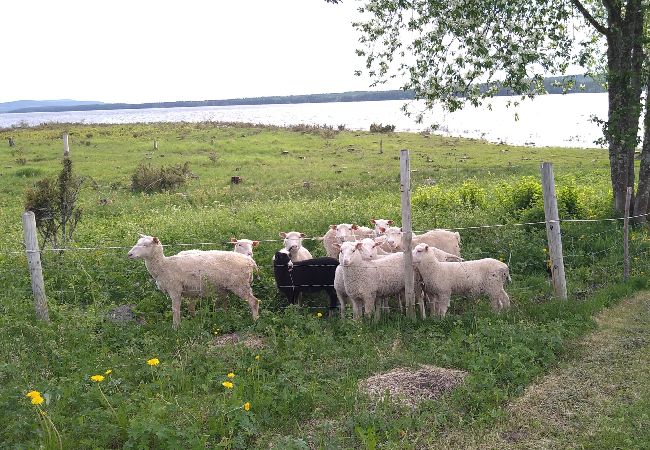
(247, 406)
(228, 385)
(319, 315)
(108, 372)
(231, 375)
(37, 400)
(153, 361)
(97, 378)
(32, 394)
(257, 357)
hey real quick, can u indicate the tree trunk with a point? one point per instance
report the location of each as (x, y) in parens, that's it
(643, 191)
(624, 61)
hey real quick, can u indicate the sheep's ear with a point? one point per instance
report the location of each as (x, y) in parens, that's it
(156, 240)
(256, 243)
(302, 235)
(283, 234)
(401, 230)
(426, 247)
(372, 221)
(354, 226)
(336, 245)
(359, 245)
(390, 222)
(233, 240)
(332, 227)
(142, 235)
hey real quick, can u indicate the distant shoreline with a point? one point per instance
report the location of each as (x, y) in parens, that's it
(553, 85)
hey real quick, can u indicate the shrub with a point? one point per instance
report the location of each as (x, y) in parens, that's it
(380, 128)
(54, 203)
(157, 179)
(472, 195)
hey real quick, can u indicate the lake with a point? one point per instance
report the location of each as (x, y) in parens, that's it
(550, 120)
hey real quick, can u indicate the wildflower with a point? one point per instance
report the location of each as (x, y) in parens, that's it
(153, 362)
(108, 372)
(228, 385)
(257, 357)
(35, 396)
(319, 315)
(247, 406)
(231, 375)
(97, 378)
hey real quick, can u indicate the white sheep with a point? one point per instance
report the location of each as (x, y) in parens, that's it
(381, 225)
(244, 246)
(365, 281)
(196, 274)
(293, 244)
(474, 278)
(449, 241)
(344, 232)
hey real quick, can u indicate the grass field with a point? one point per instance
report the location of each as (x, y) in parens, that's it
(296, 372)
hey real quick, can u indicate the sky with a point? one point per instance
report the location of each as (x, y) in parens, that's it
(140, 51)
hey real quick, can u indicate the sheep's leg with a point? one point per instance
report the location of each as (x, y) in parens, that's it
(331, 292)
(368, 306)
(378, 304)
(443, 304)
(431, 303)
(343, 299)
(357, 309)
(500, 300)
(246, 294)
(176, 310)
(191, 306)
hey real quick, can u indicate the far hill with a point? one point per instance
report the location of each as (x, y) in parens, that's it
(37, 104)
(553, 85)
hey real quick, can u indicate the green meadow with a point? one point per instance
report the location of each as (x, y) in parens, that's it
(296, 370)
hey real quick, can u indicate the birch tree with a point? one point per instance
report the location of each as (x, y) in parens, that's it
(456, 52)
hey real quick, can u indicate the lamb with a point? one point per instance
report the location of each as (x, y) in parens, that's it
(365, 281)
(293, 244)
(341, 233)
(309, 275)
(196, 273)
(474, 278)
(244, 246)
(448, 241)
(381, 225)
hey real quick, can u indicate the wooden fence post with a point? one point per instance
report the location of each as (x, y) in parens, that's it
(35, 269)
(626, 231)
(405, 188)
(553, 231)
(66, 146)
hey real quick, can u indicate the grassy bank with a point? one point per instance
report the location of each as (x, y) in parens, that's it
(297, 371)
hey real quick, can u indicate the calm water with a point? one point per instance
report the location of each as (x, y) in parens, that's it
(551, 120)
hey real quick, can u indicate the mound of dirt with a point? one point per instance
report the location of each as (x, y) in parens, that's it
(410, 386)
(250, 341)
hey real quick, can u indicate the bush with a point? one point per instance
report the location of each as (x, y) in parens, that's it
(472, 195)
(157, 179)
(380, 128)
(54, 203)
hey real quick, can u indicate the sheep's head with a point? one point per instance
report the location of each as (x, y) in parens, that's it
(144, 247)
(244, 246)
(381, 225)
(420, 251)
(282, 258)
(394, 237)
(344, 232)
(369, 249)
(349, 252)
(292, 240)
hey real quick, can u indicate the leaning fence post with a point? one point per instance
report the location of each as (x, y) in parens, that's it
(405, 188)
(35, 268)
(66, 146)
(626, 231)
(553, 231)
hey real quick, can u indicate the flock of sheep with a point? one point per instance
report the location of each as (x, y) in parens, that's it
(364, 267)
